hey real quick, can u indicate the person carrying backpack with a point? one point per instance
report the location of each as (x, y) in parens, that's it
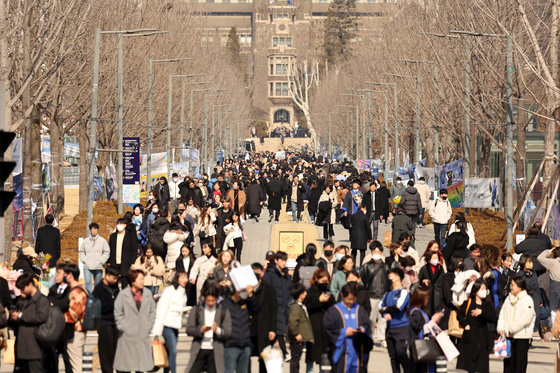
(78, 298)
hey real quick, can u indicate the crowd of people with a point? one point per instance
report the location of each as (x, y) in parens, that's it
(149, 284)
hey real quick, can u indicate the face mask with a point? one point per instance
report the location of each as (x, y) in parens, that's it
(443, 198)
(353, 282)
(328, 253)
(244, 295)
(529, 265)
(120, 227)
(376, 257)
(155, 211)
(175, 179)
(258, 276)
(324, 287)
(481, 294)
(339, 256)
(152, 197)
(408, 269)
(434, 262)
(406, 245)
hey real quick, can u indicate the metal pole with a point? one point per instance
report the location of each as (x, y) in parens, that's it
(205, 133)
(357, 131)
(169, 113)
(418, 118)
(330, 136)
(370, 129)
(396, 114)
(120, 128)
(436, 128)
(509, 146)
(466, 164)
(212, 135)
(191, 129)
(93, 127)
(386, 163)
(150, 135)
(182, 133)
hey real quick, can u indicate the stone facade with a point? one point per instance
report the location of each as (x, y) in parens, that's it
(272, 34)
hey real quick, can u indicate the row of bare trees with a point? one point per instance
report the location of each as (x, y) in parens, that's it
(422, 31)
(46, 55)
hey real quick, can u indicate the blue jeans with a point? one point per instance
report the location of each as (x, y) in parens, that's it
(296, 214)
(95, 274)
(439, 231)
(237, 359)
(153, 289)
(170, 336)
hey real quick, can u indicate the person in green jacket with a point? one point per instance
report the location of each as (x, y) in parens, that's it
(345, 265)
(299, 326)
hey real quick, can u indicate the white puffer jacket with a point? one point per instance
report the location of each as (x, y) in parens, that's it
(517, 317)
(174, 240)
(170, 308)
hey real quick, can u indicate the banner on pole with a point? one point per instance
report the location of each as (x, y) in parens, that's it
(483, 193)
(131, 160)
(429, 174)
(451, 178)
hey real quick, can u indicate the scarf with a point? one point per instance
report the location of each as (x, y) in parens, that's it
(137, 297)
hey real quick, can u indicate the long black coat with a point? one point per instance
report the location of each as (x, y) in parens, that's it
(265, 320)
(456, 245)
(300, 192)
(274, 190)
(34, 311)
(435, 303)
(380, 206)
(48, 242)
(314, 195)
(384, 197)
(255, 196)
(281, 284)
(360, 233)
(159, 226)
(401, 224)
(129, 251)
(316, 311)
(162, 195)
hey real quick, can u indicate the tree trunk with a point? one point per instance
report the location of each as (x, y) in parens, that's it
(84, 146)
(57, 174)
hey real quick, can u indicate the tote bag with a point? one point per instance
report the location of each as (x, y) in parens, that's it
(448, 348)
(455, 329)
(10, 354)
(160, 354)
(388, 238)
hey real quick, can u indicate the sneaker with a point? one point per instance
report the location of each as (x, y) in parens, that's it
(256, 219)
(420, 225)
(270, 218)
(287, 358)
(383, 344)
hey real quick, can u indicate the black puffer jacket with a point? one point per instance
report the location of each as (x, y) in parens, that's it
(533, 245)
(159, 226)
(456, 245)
(239, 312)
(281, 284)
(374, 277)
(411, 201)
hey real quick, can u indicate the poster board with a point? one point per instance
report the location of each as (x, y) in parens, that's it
(482, 192)
(451, 178)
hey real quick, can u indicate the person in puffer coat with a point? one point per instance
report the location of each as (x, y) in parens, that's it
(516, 322)
(412, 203)
(159, 226)
(174, 238)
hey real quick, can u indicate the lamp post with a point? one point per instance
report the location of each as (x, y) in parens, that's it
(357, 134)
(150, 135)
(509, 127)
(418, 151)
(94, 119)
(396, 115)
(436, 120)
(386, 130)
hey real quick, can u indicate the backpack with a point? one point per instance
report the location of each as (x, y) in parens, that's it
(50, 331)
(306, 274)
(92, 315)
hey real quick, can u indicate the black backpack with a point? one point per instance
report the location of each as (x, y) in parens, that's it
(51, 330)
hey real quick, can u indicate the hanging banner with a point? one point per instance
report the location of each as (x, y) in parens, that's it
(191, 155)
(482, 193)
(131, 170)
(451, 178)
(429, 174)
(46, 156)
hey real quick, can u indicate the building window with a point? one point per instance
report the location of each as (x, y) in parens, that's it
(271, 89)
(245, 39)
(282, 89)
(282, 16)
(281, 40)
(207, 39)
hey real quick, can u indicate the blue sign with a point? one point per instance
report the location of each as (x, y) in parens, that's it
(131, 160)
(218, 156)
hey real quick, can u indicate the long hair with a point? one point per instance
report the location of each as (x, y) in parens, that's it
(418, 298)
(318, 274)
(143, 258)
(232, 255)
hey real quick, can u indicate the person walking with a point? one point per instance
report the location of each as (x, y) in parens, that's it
(202, 267)
(360, 233)
(255, 199)
(48, 240)
(412, 204)
(106, 291)
(397, 191)
(550, 259)
(384, 202)
(31, 309)
(456, 244)
(175, 238)
(171, 307)
(161, 191)
(401, 224)
(440, 211)
(185, 263)
(516, 322)
(393, 307)
(300, 333)
(373, 202)
(345, 265)
(174, 195)
(277, 276)
(326, 212)
(209, 323)
(94, 252)
(374, 276)
(154, 269)
(295, 198)
(533, 245)
(473, 316)
(58, 297)
(77, 299)
(135, 312)
(431, 277)
(237, 352)
(223, 218)
(157, 230)
(274, 190)
(425, 194)
(123, 249)
(238, 198)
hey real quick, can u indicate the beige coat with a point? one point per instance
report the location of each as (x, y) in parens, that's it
(153, 274)
(424, 191)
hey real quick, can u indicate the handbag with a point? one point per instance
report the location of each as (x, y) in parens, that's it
(502, 348)
(160, 354)
(10, 354)
(426, 350)
(388, 238)
(455, 329)
(51, 330)
(448, 348)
